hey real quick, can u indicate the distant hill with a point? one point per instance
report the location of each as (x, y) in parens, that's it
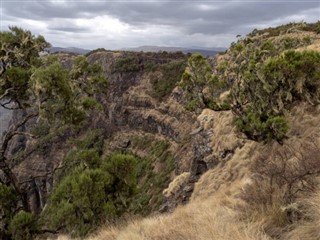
(203, 51)
(75, 50)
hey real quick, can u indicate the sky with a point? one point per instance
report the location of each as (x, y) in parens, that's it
(115, 24)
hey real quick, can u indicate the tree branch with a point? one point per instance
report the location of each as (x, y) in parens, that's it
(25, 134)
(4, 166)
(5, 93)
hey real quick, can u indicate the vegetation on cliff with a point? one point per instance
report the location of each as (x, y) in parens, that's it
(248, 152)
(45, 94)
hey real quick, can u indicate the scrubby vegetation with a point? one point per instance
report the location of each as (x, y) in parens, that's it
(151, 181)
(269, 80)
(265, 77)
(287, 28)
(201, 85)
(265, 169)
(92, 189)
(170, 74)
(127, 64)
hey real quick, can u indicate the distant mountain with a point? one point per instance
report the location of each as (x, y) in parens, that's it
(75, 50)
(203, 51)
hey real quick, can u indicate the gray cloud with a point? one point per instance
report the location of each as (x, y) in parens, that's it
(209, 23)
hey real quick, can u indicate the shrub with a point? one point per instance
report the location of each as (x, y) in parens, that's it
(202, 86)
(171, 73)
(92, 140)
(80, 203)
(269, 89)
(123, 169)
(126, 64)
(8, 200)
(263, 127)
(23, 226)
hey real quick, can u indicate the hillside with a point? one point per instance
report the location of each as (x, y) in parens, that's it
(252, 190)
(203, 51)
(163, 145)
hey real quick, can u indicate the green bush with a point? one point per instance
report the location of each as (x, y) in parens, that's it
(123, 169)
(23, 226)
(92, 140)
(152, 181)
(192, 105)
(171, 73)
(8, 200)
(92, 192)
(202, 87)
(80, 203)
(263, 127)
(269, 84)
(126, 64)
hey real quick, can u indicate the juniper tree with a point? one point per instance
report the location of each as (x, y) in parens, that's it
(43, 91)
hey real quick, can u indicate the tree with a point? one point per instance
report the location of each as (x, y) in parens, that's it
(61, 97)
(195, 78)
(202, 86)
(94, 191)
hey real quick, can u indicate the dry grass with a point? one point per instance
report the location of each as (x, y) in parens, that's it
(203, 220)
(224, 131)
(308, 227)
(176, 184)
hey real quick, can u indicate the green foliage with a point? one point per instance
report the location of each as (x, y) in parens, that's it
(192, 105)
(91, 190)
(87, 154)
(270, 77)
(196, 76)
(198, 72)
(63, 95)
(8, 201)
(80, 203)
(171, 73)
(269, 88)
(159, 147)
(276, 31)
(19, 53)
(202, 87)
(263, 127)
(92, 140)
(89, 103)
(151, 181)
(123, 168)
(57, 99)
(23, 226)
(127, 64)
(88, 77)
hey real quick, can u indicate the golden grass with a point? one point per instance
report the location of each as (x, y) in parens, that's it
(203, 220)
(176, 184)
(309, 227)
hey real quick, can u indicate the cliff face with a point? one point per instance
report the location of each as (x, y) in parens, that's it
(132, 112)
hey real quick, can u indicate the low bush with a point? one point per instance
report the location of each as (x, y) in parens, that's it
(126, 64)
(170, 74)
(23, 226)
(268, 91)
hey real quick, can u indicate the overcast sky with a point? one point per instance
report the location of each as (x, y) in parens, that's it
(117, 24)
